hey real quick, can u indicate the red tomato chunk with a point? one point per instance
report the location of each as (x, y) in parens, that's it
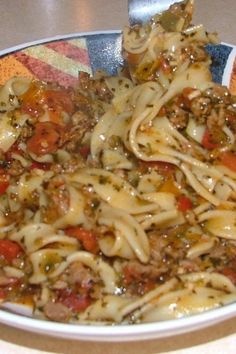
(9, 250)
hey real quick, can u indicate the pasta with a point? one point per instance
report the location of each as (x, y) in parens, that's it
(118, 195)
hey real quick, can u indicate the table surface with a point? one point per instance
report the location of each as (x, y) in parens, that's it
(27, 20)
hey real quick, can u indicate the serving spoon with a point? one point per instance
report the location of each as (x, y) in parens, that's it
(140, 11)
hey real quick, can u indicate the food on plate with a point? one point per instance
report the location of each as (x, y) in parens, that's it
(118, 195)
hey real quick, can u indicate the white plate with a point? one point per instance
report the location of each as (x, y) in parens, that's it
(99, 50)
(120, 332)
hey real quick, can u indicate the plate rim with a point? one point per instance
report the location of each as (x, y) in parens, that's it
(58, 37)
(108, 333)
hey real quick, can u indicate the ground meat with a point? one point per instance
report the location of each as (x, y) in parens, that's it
(81, 118)
(200, 54)
(218, 251)
(77, 273)
(188, 266)
(27, 131)
(216, 119)
(230, 273)
(2, 157)
(72, 165)
(219, 94)
(174, 253)
(195, 54)
(178, 117)
(232, 125)
(168, 247)
(83, 103)
(139, 278)
(69, 166)
(58, 200)
(97, 87)
(224, 250)
(15, 216)
(165, 255)
(231, 118)
(144, 271)
(82, 123)
(57, 312)
(157, 244)
(15, 168)
(200, 107)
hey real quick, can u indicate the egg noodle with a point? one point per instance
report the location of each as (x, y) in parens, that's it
(118, 196)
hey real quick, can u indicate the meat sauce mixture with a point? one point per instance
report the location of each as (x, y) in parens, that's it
(73, 114)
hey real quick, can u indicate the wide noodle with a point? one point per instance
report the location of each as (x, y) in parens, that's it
(118, 195)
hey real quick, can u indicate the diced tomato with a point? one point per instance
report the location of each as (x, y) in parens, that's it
(40, 166)
(148, 285)
(187, 91)
(231, 118)
(11, 285)
(3, 186)
(2, 294)
(84, 151)
(207, 142)
(9, 250)
(12, 281)
(73, 301)
(229, 160)
(184, 203)
(130, 274)
(165, 66)
(4, 181)
(57, 101)
(162, 111)
(87, 237)
(2, 171)
(46, 138)
(230, 273)
(32, 100)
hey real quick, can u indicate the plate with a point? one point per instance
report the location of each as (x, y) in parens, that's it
(60, 59)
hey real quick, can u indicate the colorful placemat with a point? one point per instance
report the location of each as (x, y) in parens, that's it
(57, 61)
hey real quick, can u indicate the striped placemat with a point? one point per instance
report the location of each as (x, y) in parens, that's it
(57, 61)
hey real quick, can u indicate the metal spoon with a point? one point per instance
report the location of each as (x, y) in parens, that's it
(140, 11)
